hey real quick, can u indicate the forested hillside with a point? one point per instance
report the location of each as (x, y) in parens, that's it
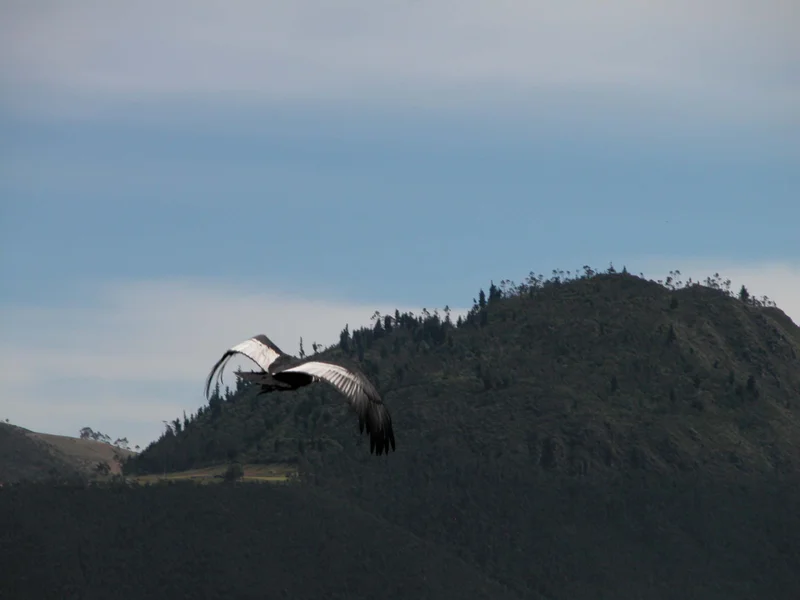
(585, 432)
(595, 372)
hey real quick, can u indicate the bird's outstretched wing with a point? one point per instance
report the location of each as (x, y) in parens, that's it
(258, 348)
(362, 397)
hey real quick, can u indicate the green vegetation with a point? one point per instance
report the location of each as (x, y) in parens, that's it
(596, 372)
(589, 435)
(216, 474)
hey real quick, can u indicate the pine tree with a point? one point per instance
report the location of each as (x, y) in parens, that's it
(744, 295)
(344, 340)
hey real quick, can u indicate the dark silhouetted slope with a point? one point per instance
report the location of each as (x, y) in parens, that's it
(226, 541)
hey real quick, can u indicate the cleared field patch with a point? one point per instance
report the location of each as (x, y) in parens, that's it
(254, 473)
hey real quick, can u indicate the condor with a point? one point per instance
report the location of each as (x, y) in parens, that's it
(282, 372)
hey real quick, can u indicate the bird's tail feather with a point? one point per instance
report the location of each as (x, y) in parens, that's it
(378, 423)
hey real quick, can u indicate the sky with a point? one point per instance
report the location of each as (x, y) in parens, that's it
(177, 176)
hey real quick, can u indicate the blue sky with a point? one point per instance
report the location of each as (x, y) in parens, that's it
(171, 185)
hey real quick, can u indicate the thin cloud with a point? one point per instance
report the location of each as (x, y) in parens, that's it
(721, 58)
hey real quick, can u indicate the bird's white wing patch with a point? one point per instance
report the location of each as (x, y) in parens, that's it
(261, 354)
(253, 349)
(354, 387)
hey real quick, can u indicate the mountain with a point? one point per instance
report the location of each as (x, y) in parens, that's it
(32, 456)
(585, 435)
(591, 435)
(602, 372)
(585, 432)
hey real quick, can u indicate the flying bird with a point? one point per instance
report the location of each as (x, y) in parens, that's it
(282, 372)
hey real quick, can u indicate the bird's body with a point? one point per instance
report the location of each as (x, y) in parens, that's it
(282, 372)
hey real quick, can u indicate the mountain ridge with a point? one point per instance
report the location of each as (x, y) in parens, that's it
(600, 345)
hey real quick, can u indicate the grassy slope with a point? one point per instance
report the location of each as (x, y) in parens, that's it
(24, 457)
(35, 456)
(86, 453)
